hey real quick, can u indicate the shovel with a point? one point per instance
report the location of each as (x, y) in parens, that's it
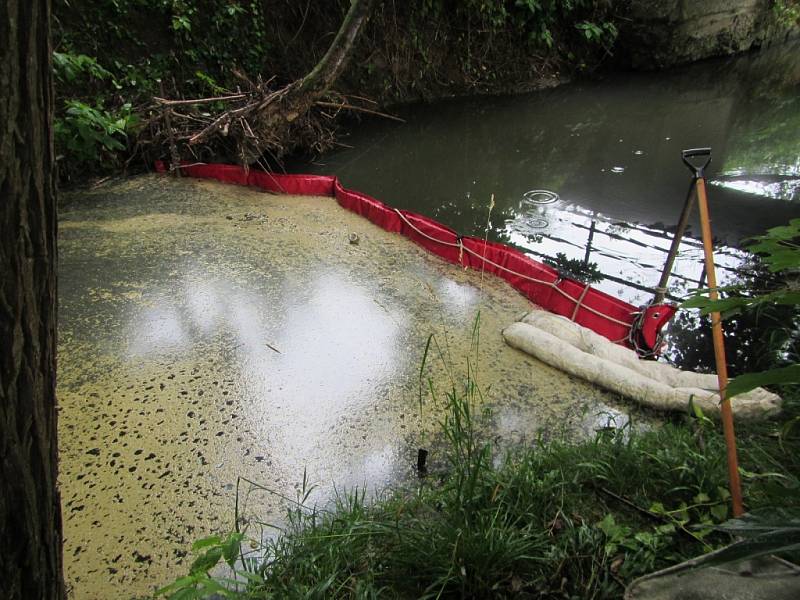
(697, 159)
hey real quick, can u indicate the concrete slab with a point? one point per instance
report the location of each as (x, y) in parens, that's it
(765, 579)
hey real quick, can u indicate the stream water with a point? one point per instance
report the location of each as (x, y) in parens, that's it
(610, 150)
(209, 332)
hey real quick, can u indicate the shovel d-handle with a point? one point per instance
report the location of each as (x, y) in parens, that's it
(697, 167)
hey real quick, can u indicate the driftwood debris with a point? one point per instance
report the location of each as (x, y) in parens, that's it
(260, 120)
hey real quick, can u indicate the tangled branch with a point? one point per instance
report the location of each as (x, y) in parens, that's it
(262, 120)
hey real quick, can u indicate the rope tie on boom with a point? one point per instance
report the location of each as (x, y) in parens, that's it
(459, 243)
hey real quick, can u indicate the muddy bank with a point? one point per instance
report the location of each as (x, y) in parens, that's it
(209, 332)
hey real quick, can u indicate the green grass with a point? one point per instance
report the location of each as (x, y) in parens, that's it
(554, 520)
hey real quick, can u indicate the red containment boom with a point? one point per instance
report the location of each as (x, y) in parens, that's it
(611, 317)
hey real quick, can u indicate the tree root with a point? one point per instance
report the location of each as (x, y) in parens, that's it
(261, 121)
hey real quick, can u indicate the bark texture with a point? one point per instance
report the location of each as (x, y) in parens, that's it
(30, 512)
(328, 69)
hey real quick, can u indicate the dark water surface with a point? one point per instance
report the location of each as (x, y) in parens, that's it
(610, 149)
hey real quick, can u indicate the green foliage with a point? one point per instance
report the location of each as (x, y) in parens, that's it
(70, 67)
(760, 533)
(598, 33)
(112, 53)
(787, 11)
(172, 39)
(198, 583)
(750, 381)
(542, 21)
(779, 251)
(142, 47)
(755, 340)
(779, 247)
(89, 135)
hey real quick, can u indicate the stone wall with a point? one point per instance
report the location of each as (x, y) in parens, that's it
(662, 33)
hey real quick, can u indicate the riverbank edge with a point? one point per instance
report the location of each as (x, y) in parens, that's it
(554, 519)
(111, 61)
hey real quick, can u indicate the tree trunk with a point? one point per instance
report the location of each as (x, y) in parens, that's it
(30, 512)
(269, 122)
(328, 69)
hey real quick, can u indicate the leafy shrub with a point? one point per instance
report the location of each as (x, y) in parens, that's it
(779, 251)
(542, 21)
(71, 67)
(89, 135)
(86, 135)
(787, 12)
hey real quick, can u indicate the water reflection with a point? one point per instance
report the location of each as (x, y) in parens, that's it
(323, 358)
(782, 187)
(764, 158)
(157, 330)
(192, 310)
(611, 151)
(511, 426)
(629, 256)
(290, 359)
